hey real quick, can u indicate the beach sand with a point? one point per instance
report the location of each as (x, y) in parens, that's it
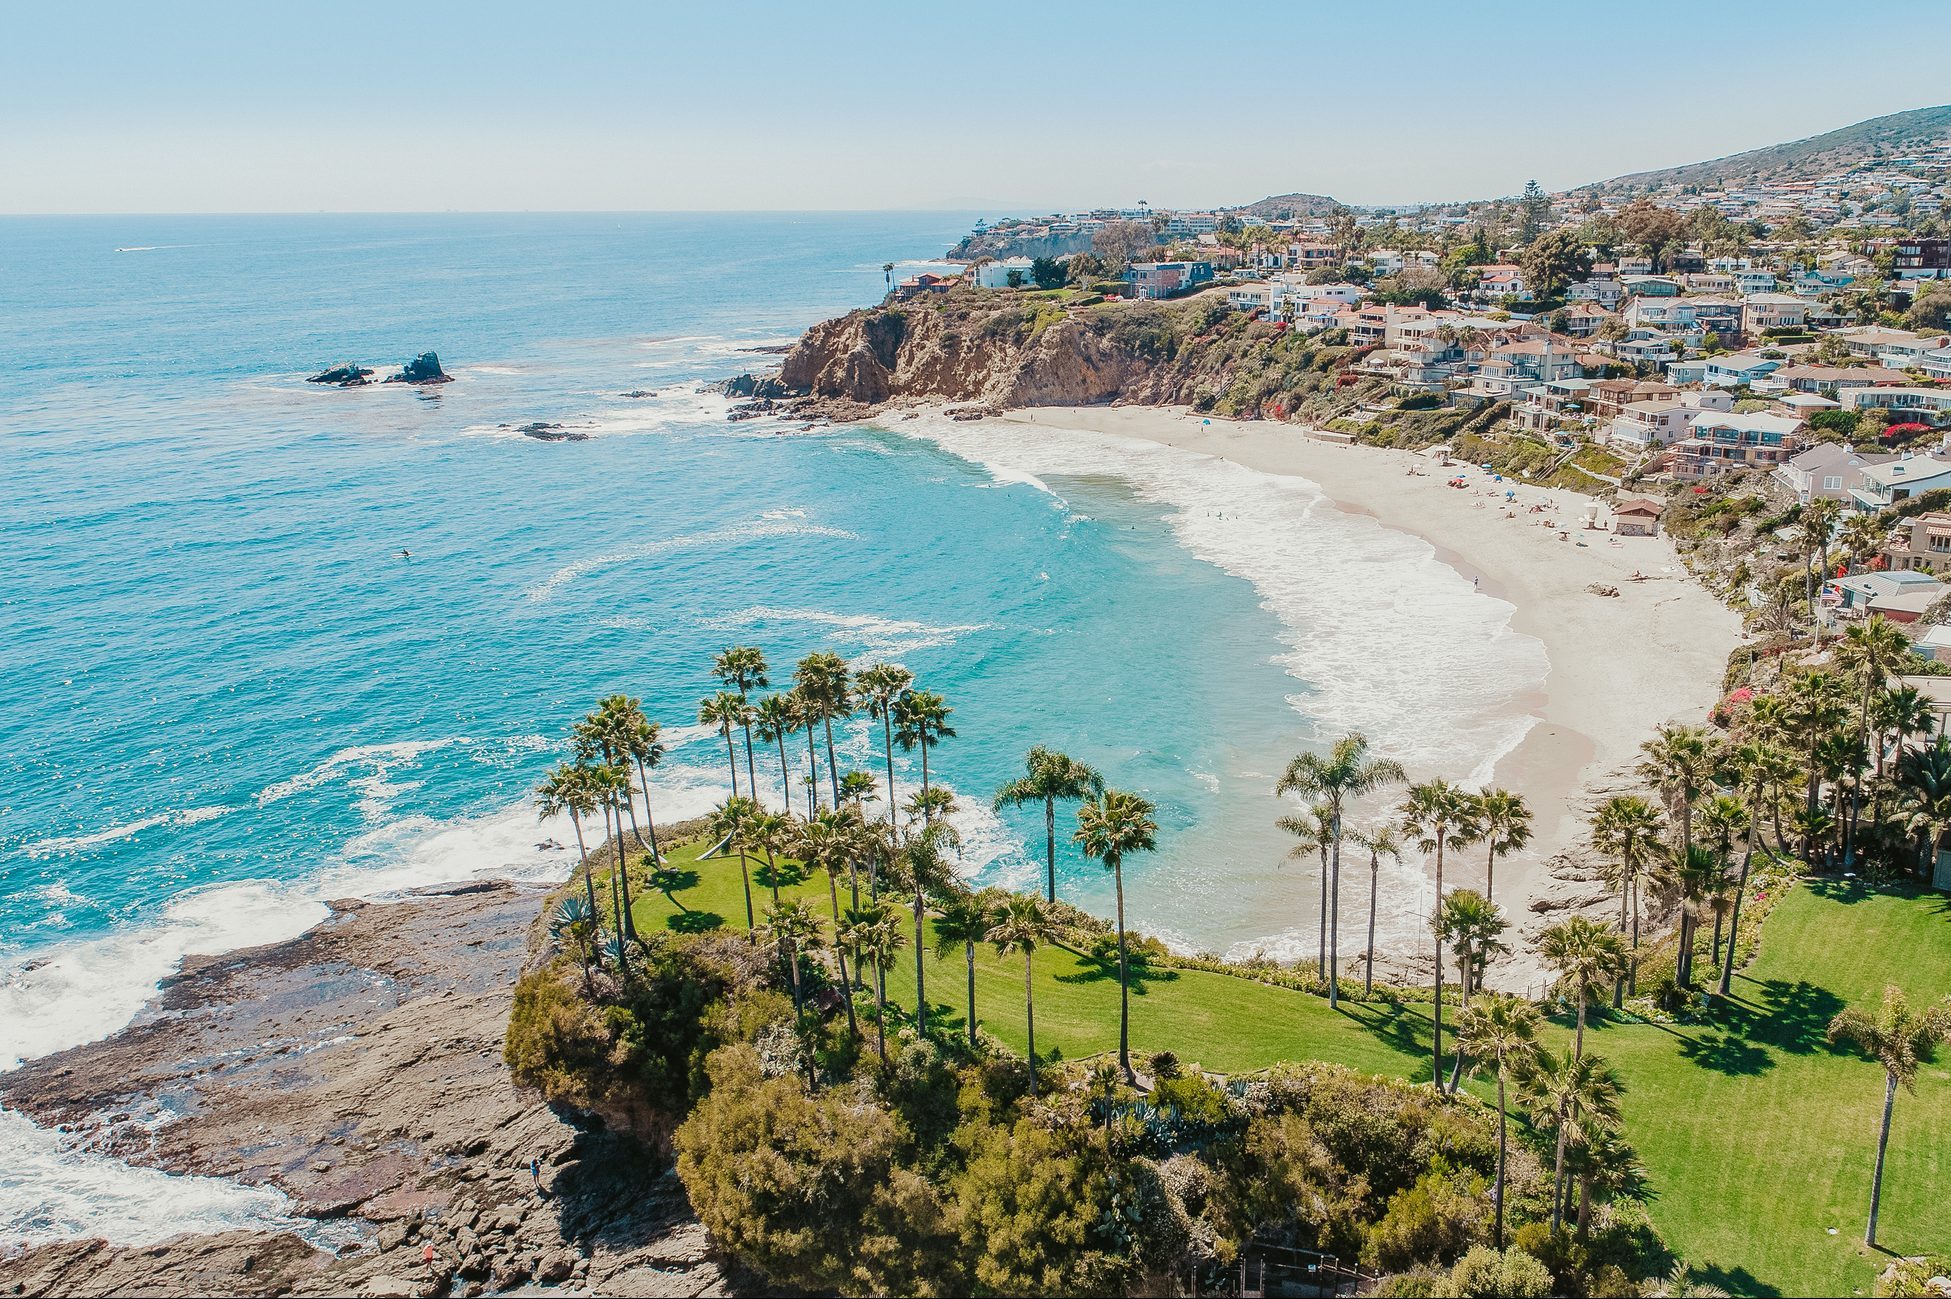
(1618, 667)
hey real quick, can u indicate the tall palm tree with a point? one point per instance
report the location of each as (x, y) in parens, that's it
(873, 935)
(609, 782)
(825, 692)
(1870, 649)
(1816, 708)
(1587, 956)
(877, 687)
(827, 843)
(965, 919)
(1815, 529)
(921, 721)
(776, 717)
(1898, 715)
(743, 668)
(1380, 840)
(1050, 776)
(1679, 761)
(1473, 926)
(796, 929)
(1345, 772)
(1023, 926)
(1110, 828)
(1925, 775)
(774, 833)
(1504, 819)
(1435, 816)
(731, 824)
(1693, 874)
(1753, 764)
(725, 712)
(1626, 828)
(924, 861)
(567, 788)
(1313, 831)
(1723, 819)
(1576, 1097)
(644, 749)
(1899, 1039)
(606, 737)
(1501, 1031)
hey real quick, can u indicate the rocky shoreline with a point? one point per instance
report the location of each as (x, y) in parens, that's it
(358, 1069)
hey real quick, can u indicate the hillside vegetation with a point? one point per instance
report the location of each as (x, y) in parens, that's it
(1896, 134)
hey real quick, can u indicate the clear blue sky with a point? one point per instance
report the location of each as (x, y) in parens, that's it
(998, 105)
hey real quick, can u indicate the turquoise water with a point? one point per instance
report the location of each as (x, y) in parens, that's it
(228, 694)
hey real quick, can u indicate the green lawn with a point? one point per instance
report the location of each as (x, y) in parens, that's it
(1756, 1136)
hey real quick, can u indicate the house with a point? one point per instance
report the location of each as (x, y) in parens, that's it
(1935, 645)
(1643, 425)
(1635, 516)
(1936, 364)
(1922, 543)
(1762, 311)
(1738, 369)
(1608, 397)
(1649, 286)
(1666, 315)
(1584, 319)
(1865, 591)
(1653, 350)
(1828, 378)
(1167, 279)
(1748, 281)
(1872, 341)
(1922, 259)
(1898, 480)
(1502, 280)
(995, 274)
(1720, 442)
(926, 282)
(1827, 471)
(1931, 402)
(1605, 293)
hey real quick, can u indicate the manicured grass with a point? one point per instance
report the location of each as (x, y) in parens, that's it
(1757, 1137)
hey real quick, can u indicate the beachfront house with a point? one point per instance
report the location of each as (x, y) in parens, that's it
(1930, 403)
(1899, 480)
(1899, 596)
(996, 274)
(1828, 471)
(1720, 442)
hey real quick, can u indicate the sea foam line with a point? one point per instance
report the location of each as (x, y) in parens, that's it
(734, 535)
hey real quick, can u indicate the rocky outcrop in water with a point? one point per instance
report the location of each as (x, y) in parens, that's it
(344, 376)
(422, 369)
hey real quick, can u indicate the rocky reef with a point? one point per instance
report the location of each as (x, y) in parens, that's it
(422, 369)
(348, 375)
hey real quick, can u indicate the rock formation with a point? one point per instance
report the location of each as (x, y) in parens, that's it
(348, 375)
(422, 369)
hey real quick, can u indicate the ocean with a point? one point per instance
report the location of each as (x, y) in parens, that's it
(264, 643)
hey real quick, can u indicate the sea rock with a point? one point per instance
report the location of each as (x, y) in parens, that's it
(343, 376)
(545, 432)
(422, 369)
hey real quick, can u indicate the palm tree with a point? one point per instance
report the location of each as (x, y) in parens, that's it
(610, 737)
(821, 680)
(965, 919)
(1313, 831)
(1577, 1097)
(827, 843)
(1502, 1032)
(1473, 926)
(1505, 821)
(1346, 772)
(924, 860)
(773, 833)
(1899, 1039)
(1023, 926)
(777, 717)
(573, 925)
(921, 721)
(1925, 775)
(1862, 536)
(1694, 875)
(725, 712)
(1722, 819)
(1753, 765)
(731, 824)
(873, 935)
(1109, 828)
(644, 749)
(1871, 649)
(1381, 840)
(1815, 528)
(568, 789)
(796, 929)
(1897, 715)
(1050, 776)
(743, 668)
(1626, 829)
(1435, 816)
(1816, 708)
(610, 783)
(878, 686)
(1586, 956)
(1679, 761)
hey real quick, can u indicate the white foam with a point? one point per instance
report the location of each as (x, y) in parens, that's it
(871, 633)
(50, 1190)
(76, 843)
(737, 534)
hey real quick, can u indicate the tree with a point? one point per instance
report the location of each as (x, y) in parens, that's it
(878, 686)
(1534, 210)
(1755, 764)
(822, 682)
(1050, 776)
(776, 718)
(1047, 273)
(609, 783)
(1345, 772)
(725, 712)
(1504, 820)
(1576, 1097)
(731, 824)
(567, 789)
(1502, 1032)
(924, 861)
(872, 935)
(1655, 229)
(1680, 762)
(1435, 816)
(743, 668)
(1693, 874)
(1023, 926)
(1816, 707)
(1586, 956)
(796, 929)
(827, 842)
(1925, 775)
(1815, 529)
(921, 721)
(612, 737)
(1381, 840)
(573, 925)
(1552, 261)
(1870, 649)
(1899, 1039)
(1313, 831)
(1473, 926)
(1120, 243)
(963, 920)
(1110, 828)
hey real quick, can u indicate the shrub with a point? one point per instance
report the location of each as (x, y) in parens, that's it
(1435, 1220)
(1484, 1273)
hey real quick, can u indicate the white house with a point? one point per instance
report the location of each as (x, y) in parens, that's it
(995, 274)
(1827, 471)
(1929, 401)
(1906, 476)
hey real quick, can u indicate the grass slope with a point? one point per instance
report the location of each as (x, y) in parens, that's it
(1757, 1137)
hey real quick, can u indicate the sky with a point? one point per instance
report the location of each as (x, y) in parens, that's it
(1002, 106)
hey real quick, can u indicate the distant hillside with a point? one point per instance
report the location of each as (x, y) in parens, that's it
(1891, 136)
(1286, 207)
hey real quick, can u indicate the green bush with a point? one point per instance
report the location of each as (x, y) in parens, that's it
(1437, 1219)
(1484, 1273)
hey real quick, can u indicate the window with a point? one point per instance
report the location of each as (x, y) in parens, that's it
(1832, 483)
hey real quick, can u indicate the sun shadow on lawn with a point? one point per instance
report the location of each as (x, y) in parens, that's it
(1406, 1028)
(1734, 1280)
(1727, 1053)
(1140, 975)
(695, 922)
(1791, 1017)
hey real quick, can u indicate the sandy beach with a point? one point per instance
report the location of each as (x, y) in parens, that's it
(1618, 666)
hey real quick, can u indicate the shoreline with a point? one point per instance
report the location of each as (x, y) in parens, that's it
(1617, 667)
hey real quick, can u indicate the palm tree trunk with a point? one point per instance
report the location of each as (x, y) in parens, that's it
(969, 951)
(650, 821)
(1368, 966)
(812, 774)
(1029, 1018)
(1558, 1179)
(1578, 1036)
(1334, 925)
(921, 995)
(924, 765)
(622, 867)
(785, 779)
(751, 780)
(589, 877)
(1882, 1141)
(745, 873)
(1632, 965)
(1124, 978)
(1584, 1206)
(1490, 875)
(1501, 1147)
(887, 747)
(1436, 1005)
(832, 767)
(1050, 844)
(1734, 915)
(880, 1011)
(731, 757)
